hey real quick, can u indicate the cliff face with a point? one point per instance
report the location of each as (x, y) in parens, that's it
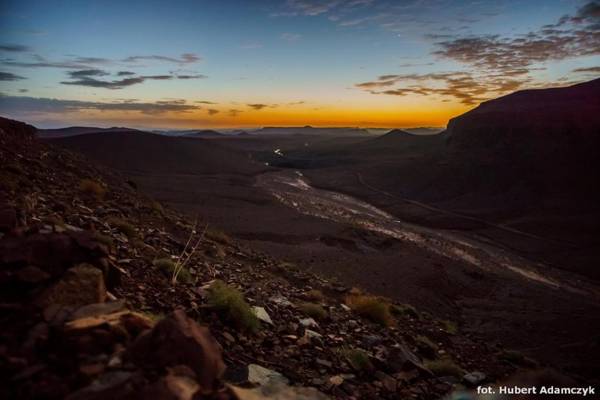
(532, 122)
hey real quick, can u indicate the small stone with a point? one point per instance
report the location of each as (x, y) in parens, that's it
(474, 378)
(264, 376)
(308, 322)
(262, 314)
(336, 380)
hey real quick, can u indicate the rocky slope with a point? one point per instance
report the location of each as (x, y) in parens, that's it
(91, 307)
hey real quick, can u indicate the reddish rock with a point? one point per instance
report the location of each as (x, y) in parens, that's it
(179, 340)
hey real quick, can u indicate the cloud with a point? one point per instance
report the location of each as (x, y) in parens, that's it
(205, 102)
(587, 70)
(212, 111)
(186, 58)
(14, 48)
(29, 105)
(87, 78)
(86, 73)
(196, 76)
(290, 37)
(234, 113)
(251, 45)
(497, 64)
(96, 83)
(259, 106)
(7, 77)
(570, 37)
(125, 73)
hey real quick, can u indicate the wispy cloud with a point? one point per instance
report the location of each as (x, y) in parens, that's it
(212, 111)
(290, 37)
(24, 105)
(7, 76)
(15, 48)
(186, 58)
(89, 78)
(592, 70)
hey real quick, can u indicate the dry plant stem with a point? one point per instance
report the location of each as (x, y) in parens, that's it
(180, 265)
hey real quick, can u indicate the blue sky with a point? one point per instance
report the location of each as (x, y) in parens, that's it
(252, 63)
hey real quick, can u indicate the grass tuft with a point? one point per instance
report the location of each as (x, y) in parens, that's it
(167, 266)
(371, 307)
(313, 310)
(444, 367)
(92, 188)
(426, 346)
(232, 306)
(123, 226)
(218, 236)
(358, 359)
(450, 327)
(405, 310)
(314, 295)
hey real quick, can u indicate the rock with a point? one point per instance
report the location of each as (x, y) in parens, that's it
(390, 384)
(308, 323)
(264, 376)
(324, 363)
(130, 321)
(312, 334)
(281, 301)
(179, 384)
(345, 307)
(277, 391)
(336, 380)
(474, 378)
(179, 340)
(262, 314)
(400, 358)
(116, 385)
(93, 310)
(81, 285)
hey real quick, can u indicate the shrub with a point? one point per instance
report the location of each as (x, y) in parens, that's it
(444, 367)
(218, 236)
(231, 305)
(313, 310)
(92, 188)
(426, 346)
(450, 327)
(406, 310)
(103, 239)
(167, 266)
(371, 307)
(358, 359)
(314, 295)
(123, 226)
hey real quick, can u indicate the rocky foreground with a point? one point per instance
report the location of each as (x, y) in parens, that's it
(106, 294)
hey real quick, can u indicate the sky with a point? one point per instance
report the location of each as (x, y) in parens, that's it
(250, 63)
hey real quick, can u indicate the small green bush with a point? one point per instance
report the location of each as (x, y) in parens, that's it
(92, 188)
(450, 327)
(232, 306)
(167, 266)
(426, 346)
(444, 367)
(358, 359)
(371, 307)
(313, 310)
(123, 226)
(314, 295)
(405, 310)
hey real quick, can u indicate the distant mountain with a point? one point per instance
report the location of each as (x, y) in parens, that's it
(309, 130)
(535, 123)
(149, 152)
(426, 130)
(206, 133)
(78, 130)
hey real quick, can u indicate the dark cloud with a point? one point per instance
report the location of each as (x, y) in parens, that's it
(125, 73)
(87, 73)
(24, 105)
(205, 102)
(462, 86)
(258, 106)
(588, 70)
(234, 112)
(15, 48)
(87, 78)
(186, 58)
(96, 83)
(212, 111)
(7, 76)
(196, 76)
